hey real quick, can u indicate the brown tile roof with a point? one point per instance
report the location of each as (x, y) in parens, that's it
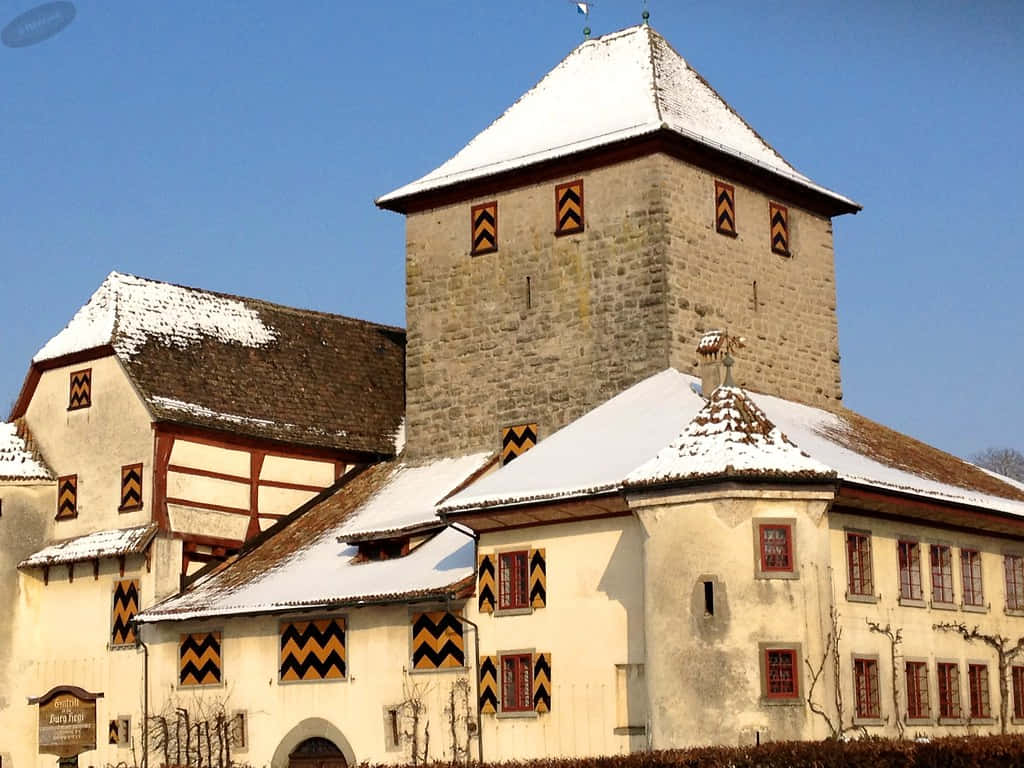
(93, 546)
(246, 366)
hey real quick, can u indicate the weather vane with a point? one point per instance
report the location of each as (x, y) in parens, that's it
(583, 9)
(646, 15)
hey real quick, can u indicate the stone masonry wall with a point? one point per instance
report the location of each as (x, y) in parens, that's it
(608, 307)
(478, 357)
(792, 332)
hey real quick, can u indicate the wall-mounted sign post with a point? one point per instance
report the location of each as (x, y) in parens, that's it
(67, 722)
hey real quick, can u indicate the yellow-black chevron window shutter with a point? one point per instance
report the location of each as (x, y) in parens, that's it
(485, 586)
(81, 390)
(488, 684)
(199, 659)
(517, 440)
(126, 606)
(67, 497)
(484, 228)
(779, 220)
(538, 579)
(569, 208)
(437, 641)
(114, 733)
(542, 682)
(313, 650)
(725, 208)
(131, 488)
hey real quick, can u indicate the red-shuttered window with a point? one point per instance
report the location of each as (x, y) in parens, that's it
(516, 683)
(858, 564)
(781, 671)
(513, 580)
(917, 690)
(970, 568)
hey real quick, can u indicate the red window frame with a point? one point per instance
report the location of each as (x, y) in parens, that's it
(776, 557)
(865, 688)
(1013, 568)
(970, 570)
(917, 690)
(782, 680)
(909, 553)
(859, 579)
(977, 686)
(940, 557)
(1017, 680)
(949, 690)
(516, 682)
(513, 580)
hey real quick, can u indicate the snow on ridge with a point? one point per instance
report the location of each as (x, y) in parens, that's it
(129, 311)
(17, 462)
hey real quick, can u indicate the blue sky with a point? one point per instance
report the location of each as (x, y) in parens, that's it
(239, 146)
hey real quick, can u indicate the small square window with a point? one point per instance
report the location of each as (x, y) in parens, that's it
(776, 547)
(517, 683)
(865, 681)
(513, 580)
(781, 674)
(859, 581)
(484, 228)
(81, 390)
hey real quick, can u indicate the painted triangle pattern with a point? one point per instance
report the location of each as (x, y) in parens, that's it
(114, 735)
(131, 487)
(517, 440)
(199, 659)
(313, 650)
(67, 497)
(725, 208)
(126, 606)
(486, 588)
(779, 217)
(81, 390)
(488, 684)
(542, 682)
(437, 641)
(484, 228)
(538, 579)
(569, 208)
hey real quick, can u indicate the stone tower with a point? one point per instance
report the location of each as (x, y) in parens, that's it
(591, 234)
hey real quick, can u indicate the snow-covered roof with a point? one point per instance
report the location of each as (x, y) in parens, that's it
(93, 546)
(729, 437)
(243, 365)
(305, 565)
(638, 429)
(18, 459)
(620, 86)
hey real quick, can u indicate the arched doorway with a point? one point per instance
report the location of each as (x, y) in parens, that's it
(317, 752)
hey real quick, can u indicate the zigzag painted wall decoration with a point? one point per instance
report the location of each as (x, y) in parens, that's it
(542, 682)
(517, 440)
(569, 208)
(779, 218)
(484, 228)
(313, 650)
(486, 588)
(126, 606)
(725, 208)
(67, 497)
(538, 579)
(199, 659)
(81, 390)
(131, 488)
(437, 641)
(488, 684)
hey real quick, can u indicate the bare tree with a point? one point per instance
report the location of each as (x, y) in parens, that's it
(198, 733)
(1006, 651)
(830, 654)
(413, 712)
(1008, 462)
(895, 638)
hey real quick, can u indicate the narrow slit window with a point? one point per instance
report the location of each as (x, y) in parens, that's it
(709, 598)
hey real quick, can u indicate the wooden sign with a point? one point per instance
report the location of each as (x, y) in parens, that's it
(67, 721)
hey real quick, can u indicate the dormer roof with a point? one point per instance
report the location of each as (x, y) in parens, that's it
(611, 89)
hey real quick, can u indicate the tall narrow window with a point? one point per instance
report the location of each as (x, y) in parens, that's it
(725, 208)
(81, 390)
(781, 673)
(858, 564)
(779, 222)
(917, 690)
(776, 547)
(484, 226)
(1018, 692)
(970, 568)
(977, 681)
(569, 208)
(865, 681)
(513, 580)
(1014, 566)
(949, 690)
(941, 558)
(910, 570)
(516, 683)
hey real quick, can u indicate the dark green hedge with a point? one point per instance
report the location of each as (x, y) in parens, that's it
(953, 752)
